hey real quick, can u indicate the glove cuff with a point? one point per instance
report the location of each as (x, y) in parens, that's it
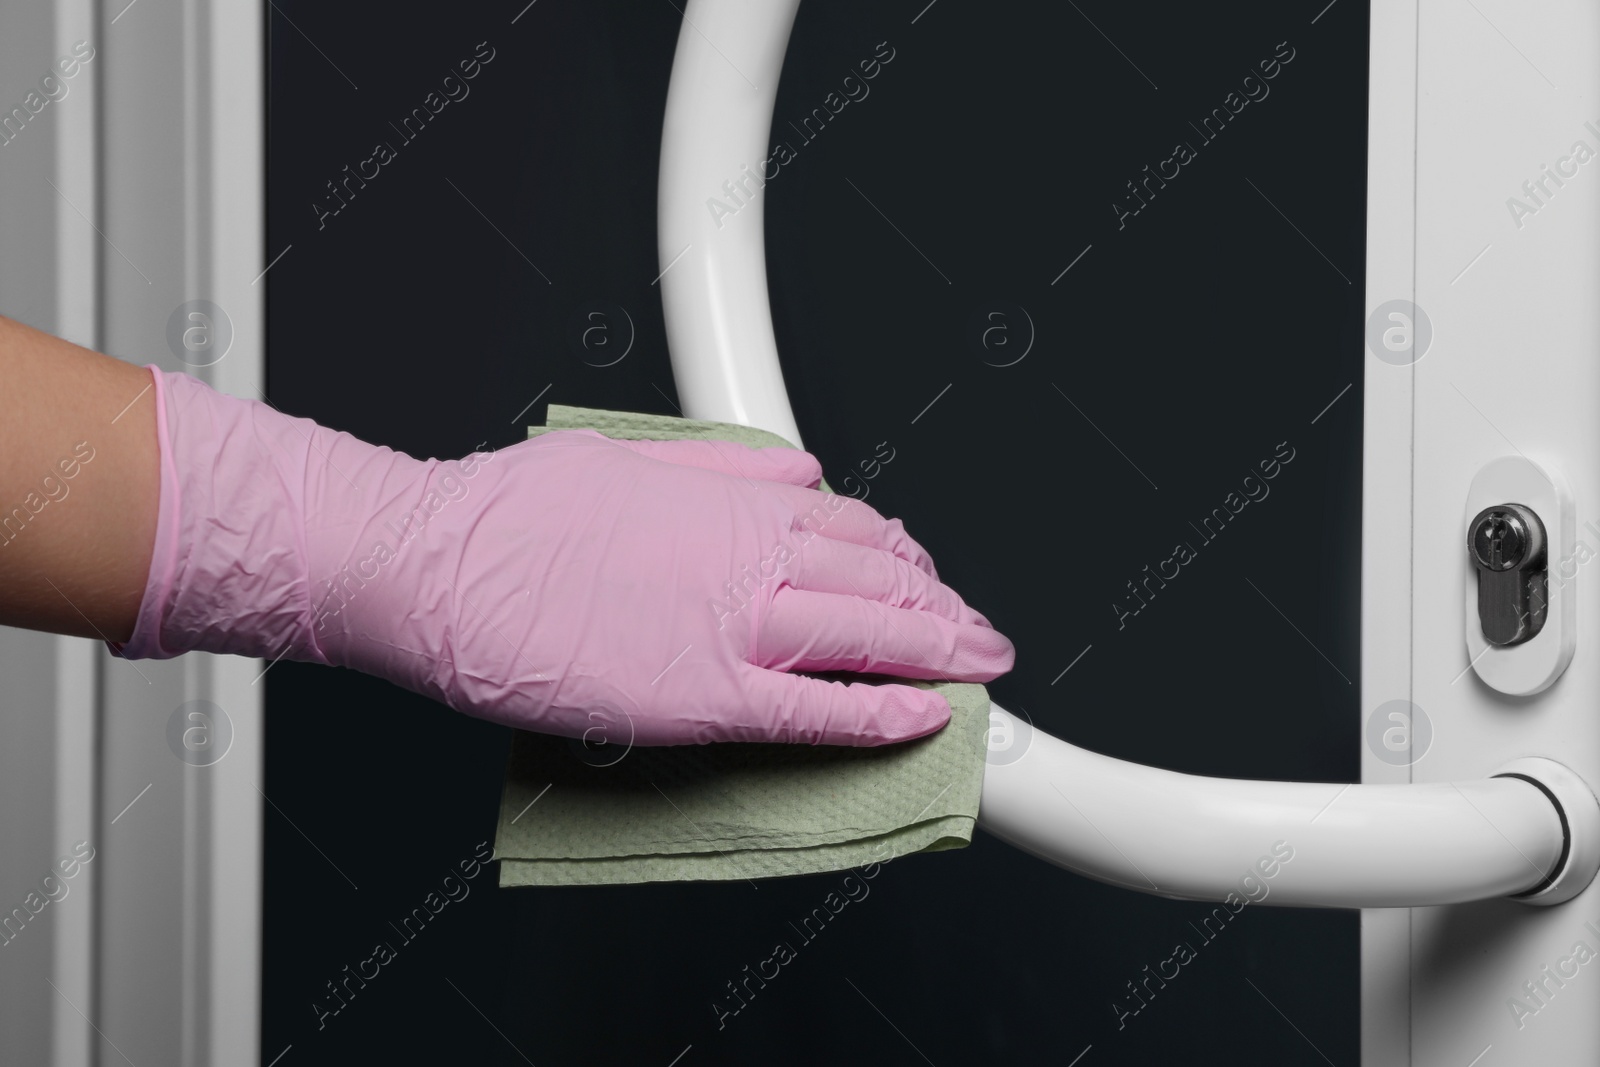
(229, 572)
(145, 643)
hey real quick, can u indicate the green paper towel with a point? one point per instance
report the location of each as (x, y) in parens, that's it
(733, 810)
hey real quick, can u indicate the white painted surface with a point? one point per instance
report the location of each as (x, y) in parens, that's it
(137, 190)
(182, 195)
(1386, 494)
(47, 703)
(1502, 89)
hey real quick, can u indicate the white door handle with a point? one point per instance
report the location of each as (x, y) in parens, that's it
(1172, 834)
(1349, 846)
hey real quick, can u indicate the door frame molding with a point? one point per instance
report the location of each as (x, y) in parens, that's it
(140, 189)
(1386, 491)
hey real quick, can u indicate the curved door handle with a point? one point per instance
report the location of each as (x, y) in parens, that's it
(1532, 831)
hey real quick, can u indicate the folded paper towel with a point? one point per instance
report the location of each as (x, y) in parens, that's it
(731, 810)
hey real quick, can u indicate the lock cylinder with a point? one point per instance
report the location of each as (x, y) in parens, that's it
(1507, 546)
(1519, 622)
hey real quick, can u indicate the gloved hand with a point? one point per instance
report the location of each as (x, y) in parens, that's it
(654, 591)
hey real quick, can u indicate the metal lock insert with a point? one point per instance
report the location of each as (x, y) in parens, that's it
(1507, 545)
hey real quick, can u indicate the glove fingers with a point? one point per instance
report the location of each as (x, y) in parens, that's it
(809, 631)
(794, 708)
(843, 518)
(822, 565)
(774, 464)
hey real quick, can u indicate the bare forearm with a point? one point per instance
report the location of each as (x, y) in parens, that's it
(79, 485)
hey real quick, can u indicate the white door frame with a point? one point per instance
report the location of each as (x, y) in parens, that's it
(138, 190)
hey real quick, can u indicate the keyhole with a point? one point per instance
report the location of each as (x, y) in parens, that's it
(1497, 538)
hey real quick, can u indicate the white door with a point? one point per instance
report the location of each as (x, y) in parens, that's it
(1483, 206)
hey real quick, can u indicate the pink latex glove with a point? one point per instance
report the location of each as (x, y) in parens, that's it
(652, 591)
